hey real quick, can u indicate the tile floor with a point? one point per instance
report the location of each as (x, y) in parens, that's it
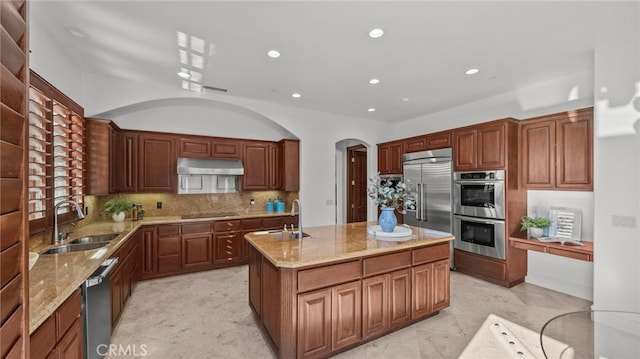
(206, 315)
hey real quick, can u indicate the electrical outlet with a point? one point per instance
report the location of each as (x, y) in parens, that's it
(158, 205)
(624, 221)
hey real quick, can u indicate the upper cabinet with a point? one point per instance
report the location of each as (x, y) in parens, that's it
(556, 151)
(390, 157)
(484, 146)
(255, 159)
(156, 163)
(431, 141)
(208, 147)
(271, 165)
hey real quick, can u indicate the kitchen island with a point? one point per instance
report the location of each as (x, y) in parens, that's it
(342, 287)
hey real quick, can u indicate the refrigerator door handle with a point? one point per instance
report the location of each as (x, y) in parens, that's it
(423, 201)
(418, 201)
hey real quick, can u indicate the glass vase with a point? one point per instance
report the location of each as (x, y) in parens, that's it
(387, 219)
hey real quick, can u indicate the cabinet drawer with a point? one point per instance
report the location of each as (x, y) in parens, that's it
(570, 254)
(386, 263)
(67, 313)
(196, 228)
(43, 339)
(322, 277)
(225, 226)
(251, 224)
(430, 254)
(170, 230)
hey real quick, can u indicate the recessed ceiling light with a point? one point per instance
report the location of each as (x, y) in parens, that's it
(296, 95)
(371, 109)
(184, 75)
(376, 33)
(472, 71)
(405, 99)
(76, 32)
(374, 81)
(274, 54)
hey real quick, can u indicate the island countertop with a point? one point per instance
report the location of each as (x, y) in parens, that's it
(337, 242)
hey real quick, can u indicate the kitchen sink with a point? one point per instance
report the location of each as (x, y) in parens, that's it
(95, 239)
(289, 235)
(67, 248)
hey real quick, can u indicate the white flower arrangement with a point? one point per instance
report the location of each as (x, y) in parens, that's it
(389, 195)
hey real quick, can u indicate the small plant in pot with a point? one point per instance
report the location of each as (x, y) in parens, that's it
(118, 207)
(535, 226)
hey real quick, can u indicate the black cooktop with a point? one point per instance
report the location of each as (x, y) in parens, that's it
(209, 215)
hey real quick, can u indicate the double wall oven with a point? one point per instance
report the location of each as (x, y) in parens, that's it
(479, 212)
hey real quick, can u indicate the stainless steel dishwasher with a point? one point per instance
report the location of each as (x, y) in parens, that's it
(96, 311)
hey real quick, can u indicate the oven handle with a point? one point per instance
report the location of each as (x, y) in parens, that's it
(484, 182)
(479, 220)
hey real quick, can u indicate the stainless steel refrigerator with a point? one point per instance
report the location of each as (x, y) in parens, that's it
(428, 176)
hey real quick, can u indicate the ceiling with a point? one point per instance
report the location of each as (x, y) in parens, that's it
(326, 53)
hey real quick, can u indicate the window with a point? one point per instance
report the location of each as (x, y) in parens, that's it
(56, 154)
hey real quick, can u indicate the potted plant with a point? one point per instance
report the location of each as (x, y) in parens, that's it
(118, 207)
(535, 226)
(390, 197)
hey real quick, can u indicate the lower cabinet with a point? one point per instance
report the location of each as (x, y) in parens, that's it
(386, 302)
(125, 274)
(430, 288)
(329, 319)
(60, 336)
(197, 251)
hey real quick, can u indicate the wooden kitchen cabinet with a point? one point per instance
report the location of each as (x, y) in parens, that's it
(60, 335)
(255, 158)
(116, 287)
(169, 248)
(127, 163)
(390, 157)
(156, 163)
(329, 319)
(209, 147)
(197, 251)
(274, 168)
(290, 167)
(226, 148)
(148, 253)
(228, 243)
(428, 142)
(430, 288)
(375, 306)
(255, 281)
(101, 141)
(483, 147)
(557, 151)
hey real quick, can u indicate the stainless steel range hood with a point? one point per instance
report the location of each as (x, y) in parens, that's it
(195, 166)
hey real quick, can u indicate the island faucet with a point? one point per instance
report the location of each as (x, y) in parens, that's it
(298, 233)
(57, 238)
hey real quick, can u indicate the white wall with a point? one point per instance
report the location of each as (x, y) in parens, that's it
(617, 175)
(565, 275)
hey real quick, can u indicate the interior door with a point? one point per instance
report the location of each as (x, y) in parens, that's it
(357, 182)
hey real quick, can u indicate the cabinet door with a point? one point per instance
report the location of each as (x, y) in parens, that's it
(194, 147)
(422, 295)
(383, 159)
(314, 323)
(115, 284)
(156, 163)
(537, 153)
(127, 163)
(126, 277)
(169, 248)
(400, 297)
(196, 250)
(464, 150)
(346, 303)
(275, 166)
(228, 248)
(225, 149)
(255, 285)
(438, 140)
(395, 158)
(375, 305)
(148, 253)
(415, 144)
(290, 165)
(255, 157)
(491, 147)
(441, 286)
(114, 151)
(71, 346)
(574, 152)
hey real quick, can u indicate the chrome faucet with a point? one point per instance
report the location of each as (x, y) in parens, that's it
(57, 238)
(298, 233)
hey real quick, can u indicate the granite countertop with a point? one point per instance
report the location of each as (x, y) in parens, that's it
(56, 276)
(337, 242)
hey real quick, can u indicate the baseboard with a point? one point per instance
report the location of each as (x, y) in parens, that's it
(562, 286)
